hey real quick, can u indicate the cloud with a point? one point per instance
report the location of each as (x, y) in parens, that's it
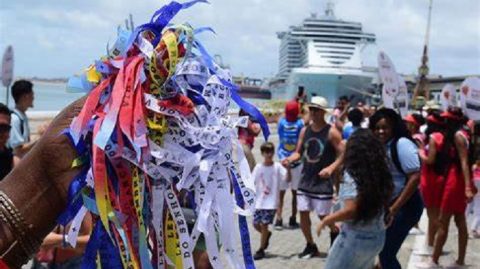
(59, 38)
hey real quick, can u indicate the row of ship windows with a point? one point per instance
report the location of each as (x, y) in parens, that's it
(335, 57)
(287, 69)
(334, 40)
(292, 54)
(288, 63)
(334, 31)
(295, 59)
(332, 23)
(291, 63)
(335, 52)
(292, 47)
(333, 47)
(348, 37)
(297, 48)
(297, 56)
(289, 47)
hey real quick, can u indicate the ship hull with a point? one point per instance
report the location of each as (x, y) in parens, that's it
(328, 85)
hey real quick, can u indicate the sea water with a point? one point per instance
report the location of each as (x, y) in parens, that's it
(48, 97)
(54, 97)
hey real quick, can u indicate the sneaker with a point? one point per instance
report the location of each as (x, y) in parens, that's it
(278, 225)
(292, 223)
(268, 239)
(475, 234)
(309, 252)
(428, 265)
(424, 251)
(415, 231)
(260, 254)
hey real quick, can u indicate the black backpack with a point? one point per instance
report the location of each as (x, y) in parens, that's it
(395, 159)
(22, 130)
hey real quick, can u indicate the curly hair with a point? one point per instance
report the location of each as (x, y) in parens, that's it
(366, 162)
(399, 128)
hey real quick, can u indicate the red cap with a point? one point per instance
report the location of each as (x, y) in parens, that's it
(449, 115)
(411, 119)
(292, 109)
(432, 119)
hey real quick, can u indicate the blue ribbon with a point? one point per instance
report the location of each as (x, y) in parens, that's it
(100, 243)
(249, 108)
(206, 56)
(109, 256)
(102, 67)
(242, 223)
(81, 147)
(163, 16)
(79, 84)
(90, 204)
(74, 198)
(90, 255)
(203, 29)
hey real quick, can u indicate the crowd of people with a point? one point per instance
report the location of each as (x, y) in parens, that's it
(368, 174)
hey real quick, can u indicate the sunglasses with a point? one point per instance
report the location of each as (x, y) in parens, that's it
(5, 128)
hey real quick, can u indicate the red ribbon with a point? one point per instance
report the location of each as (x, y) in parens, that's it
(180, 103)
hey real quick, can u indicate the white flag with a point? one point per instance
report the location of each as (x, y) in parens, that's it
(448, 96)
(470, 97)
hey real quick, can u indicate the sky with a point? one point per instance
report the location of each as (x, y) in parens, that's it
(57, 38)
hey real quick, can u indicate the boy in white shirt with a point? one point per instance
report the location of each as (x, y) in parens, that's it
(267, 176)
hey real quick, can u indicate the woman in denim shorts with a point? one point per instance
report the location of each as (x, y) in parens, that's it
(365, 192)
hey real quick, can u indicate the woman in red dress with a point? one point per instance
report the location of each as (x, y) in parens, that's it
(458, 187)
(432, 179)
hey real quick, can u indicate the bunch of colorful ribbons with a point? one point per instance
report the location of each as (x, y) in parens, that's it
(155, 128)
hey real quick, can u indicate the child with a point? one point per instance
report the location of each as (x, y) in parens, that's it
(267, 176)
(289, 128)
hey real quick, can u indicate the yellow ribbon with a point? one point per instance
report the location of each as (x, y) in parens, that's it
(93, 75)
(158, 128)
(172, 242)
(171, 42)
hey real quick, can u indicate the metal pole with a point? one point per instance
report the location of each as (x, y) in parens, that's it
(131, 21)
(427, 35)
(6, 99)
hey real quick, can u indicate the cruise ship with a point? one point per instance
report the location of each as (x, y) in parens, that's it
(325, 55)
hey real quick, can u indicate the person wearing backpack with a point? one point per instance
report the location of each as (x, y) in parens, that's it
(19, 142)
(406, 206)
(458, 190)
